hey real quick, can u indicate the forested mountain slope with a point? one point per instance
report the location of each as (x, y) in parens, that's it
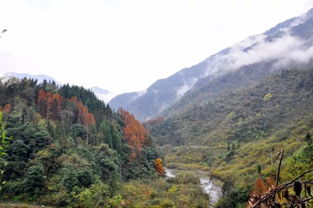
(241, 114)
(238, 134)
(285, 45)
(67, 148)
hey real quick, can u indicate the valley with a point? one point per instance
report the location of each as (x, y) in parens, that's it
(232, 131)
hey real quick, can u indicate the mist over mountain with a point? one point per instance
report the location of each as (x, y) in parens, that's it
(234, 130)
(286, 45)
(103, 94)
(253, 106)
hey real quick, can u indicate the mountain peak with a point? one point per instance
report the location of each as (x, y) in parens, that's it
(287, 44)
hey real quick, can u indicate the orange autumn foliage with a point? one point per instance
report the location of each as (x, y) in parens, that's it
(135, 133)
(42, 102)
(158, 165)
(261, 187)
(7, 108)
(55, 103)
(84, 116)
(50, 105)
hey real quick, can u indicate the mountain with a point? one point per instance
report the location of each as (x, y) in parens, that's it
(241, 114)
(287, 44)
(236, 121)
(102, 94)
(39, 77)
(241, 130)
(61, 140)
(159, 95)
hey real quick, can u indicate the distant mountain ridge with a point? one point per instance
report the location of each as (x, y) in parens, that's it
(102, 94)
(40, 77)
(287, 44)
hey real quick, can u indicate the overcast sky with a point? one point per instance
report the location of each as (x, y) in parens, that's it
(126, 45)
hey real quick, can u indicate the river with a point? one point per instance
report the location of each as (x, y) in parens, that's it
(208, 186)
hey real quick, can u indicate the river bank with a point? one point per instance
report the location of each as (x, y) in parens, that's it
(210, 186)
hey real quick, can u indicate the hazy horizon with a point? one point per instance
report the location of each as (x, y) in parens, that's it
(124, 46)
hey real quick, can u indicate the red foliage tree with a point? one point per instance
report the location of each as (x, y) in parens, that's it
(55, 105)
(7, 108)
(135, 133)
(158, 165)
(261, 187)
(49, 104)
(42, 103)
(84, 117)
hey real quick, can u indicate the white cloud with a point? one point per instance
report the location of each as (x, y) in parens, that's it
(106, 97)
(264, 50)
(185, 87)
(287, 49)
(123, 45)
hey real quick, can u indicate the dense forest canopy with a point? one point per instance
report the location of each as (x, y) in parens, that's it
(67, 148)
(234, 131)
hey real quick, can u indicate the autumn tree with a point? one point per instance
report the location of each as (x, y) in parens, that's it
(135, 133)
(49, 104)
(42, 102)
(158, 164)
(7, 108)
(55, 103)
(50, 107)
(261, 187)
(83, 115)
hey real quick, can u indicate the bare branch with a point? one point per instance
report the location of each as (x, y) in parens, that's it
(279, 188)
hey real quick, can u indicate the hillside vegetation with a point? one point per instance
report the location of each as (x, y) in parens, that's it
(238, 134)
(66, 148)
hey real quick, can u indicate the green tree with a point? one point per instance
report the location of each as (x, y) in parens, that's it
(69, 179)
(4, 140)
(4, 143)
(85, 177)
(35, 180)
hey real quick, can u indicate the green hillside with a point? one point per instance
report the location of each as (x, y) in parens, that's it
(238, 134)
(67, 148)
